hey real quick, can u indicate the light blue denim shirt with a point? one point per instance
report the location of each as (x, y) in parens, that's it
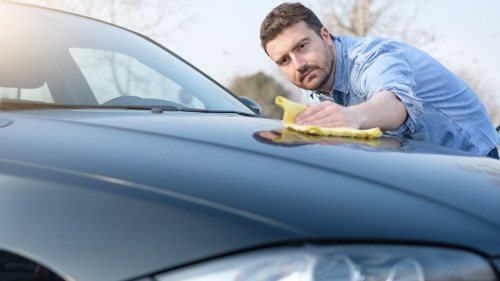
(441, 108)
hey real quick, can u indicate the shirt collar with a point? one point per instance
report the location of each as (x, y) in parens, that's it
(340, 83)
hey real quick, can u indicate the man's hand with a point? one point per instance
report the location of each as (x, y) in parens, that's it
(384, 110)
(329, 115)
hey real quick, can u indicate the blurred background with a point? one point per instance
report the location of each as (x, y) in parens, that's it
(221, 37)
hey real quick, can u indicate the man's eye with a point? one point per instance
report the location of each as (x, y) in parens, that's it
(283, 61)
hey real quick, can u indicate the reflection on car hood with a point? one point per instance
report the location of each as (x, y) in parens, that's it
(323, 189)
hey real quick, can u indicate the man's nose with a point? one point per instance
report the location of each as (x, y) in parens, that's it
(298, 62)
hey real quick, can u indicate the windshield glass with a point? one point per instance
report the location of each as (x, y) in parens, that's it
(58, 58)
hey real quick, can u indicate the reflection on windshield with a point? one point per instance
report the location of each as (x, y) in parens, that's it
(111, 76)
(53, 58)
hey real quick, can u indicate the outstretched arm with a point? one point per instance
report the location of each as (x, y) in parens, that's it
(384, 110)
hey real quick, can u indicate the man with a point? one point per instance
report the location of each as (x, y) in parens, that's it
(375, 82)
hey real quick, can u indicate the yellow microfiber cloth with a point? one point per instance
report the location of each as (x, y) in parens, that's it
(292, 109)
(291, 136)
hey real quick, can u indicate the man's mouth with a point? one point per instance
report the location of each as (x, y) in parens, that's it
(307, 73)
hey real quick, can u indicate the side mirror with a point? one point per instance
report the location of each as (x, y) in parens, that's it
(252, 104)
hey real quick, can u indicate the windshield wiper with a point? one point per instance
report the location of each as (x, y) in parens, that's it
(27, 105)
(12, 104)
(220, 111)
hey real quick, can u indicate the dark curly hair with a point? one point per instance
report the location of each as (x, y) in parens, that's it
(285, 15)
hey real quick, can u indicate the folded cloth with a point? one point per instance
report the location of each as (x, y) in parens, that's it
(292, 136)
(292, 109)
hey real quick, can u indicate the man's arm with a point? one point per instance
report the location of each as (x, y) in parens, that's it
(384, 110)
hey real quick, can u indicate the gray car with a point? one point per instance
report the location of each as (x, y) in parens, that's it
(121, 161)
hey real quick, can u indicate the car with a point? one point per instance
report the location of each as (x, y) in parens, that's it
(121, 161)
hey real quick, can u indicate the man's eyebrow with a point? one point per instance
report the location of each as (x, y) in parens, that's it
(293, 48)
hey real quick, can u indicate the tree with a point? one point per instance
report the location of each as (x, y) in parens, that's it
(372, 18)
(149, 17)
(261, 88)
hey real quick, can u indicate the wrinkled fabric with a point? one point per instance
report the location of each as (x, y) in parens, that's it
(292, 109)
(441, 108)
(292, 136)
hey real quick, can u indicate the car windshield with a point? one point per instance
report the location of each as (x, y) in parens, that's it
(54, 58)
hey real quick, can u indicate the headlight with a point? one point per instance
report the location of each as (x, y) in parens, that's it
(342, 263)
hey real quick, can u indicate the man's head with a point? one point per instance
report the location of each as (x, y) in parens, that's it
(295, 39)
(286, 15)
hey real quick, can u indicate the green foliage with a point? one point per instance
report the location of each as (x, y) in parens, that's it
(261, 88)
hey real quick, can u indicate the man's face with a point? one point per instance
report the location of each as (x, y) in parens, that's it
(305, 58)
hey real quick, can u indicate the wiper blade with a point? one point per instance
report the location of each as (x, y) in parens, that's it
(220, 111)
(13, 104)
(27, 105)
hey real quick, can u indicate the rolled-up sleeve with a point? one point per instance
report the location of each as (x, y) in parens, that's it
(386, 69)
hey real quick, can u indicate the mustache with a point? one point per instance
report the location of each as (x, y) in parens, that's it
(305, 69)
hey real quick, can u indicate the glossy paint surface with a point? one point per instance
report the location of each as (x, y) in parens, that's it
(114, 194)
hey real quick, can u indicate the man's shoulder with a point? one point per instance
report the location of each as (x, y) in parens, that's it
(356, 42)
(359, 48)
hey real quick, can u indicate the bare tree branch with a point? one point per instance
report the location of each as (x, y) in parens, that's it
(372, 18)
(153, 18)
(145, 16)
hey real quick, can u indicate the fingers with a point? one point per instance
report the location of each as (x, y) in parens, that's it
(312, 113)
(317, 114)
(327, 114)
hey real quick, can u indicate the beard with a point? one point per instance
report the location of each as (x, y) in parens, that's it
(323, 71)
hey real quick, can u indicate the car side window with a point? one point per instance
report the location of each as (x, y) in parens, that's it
(111, 75)
(15, 268)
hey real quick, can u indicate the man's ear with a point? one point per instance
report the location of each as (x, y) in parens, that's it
(326, 35)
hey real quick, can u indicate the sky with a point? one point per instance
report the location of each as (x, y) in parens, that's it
(221, 37)
(223, 40)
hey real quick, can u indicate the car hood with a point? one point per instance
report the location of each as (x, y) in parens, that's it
(320, 189)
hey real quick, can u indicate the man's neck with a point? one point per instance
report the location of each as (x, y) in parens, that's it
(328, 87)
